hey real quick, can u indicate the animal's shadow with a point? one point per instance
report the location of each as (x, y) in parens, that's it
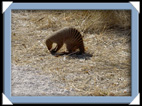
(85, 56)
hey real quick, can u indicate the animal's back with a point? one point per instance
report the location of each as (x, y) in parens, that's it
(60, 35)
(70, 36)
(73, 40)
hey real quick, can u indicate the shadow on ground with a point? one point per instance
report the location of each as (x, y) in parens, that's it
(85, 56)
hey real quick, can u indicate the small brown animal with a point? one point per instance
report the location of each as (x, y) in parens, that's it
(70, 36)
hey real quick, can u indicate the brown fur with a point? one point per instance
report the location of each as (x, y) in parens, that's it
(70, 36)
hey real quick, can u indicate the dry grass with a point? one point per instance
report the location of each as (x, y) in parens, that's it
(105, 68)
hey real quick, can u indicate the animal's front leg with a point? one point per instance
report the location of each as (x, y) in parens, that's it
(53, 51)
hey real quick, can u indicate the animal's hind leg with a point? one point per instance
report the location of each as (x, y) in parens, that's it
(81, 49)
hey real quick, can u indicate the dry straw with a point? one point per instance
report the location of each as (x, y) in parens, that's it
(105, 68)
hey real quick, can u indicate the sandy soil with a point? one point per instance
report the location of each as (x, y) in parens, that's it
(27, 81)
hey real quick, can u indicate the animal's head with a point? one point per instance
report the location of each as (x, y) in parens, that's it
(48, 44)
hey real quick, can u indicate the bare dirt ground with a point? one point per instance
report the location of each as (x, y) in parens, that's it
(104, 70)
